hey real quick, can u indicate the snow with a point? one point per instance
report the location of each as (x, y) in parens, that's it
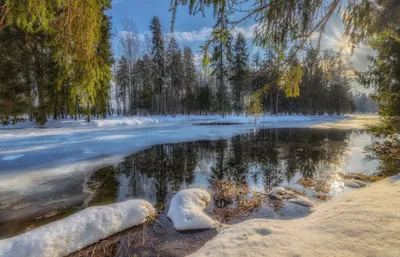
(187, 210)
(354, 183)
(77, 231)
(280, 193)
(136, 121)
(362, 222)
(303, 201)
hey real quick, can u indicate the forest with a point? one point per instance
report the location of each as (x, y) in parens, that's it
(154, 76)
(57, 62)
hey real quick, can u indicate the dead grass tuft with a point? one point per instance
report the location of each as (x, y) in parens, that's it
(233, 200)
(321, 197)
(317, 185)
(362, 177)
(120, 244)
(295, 191)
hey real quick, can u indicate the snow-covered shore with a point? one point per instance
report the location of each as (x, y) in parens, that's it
(135, 121)
(77, 231)
(363, 222)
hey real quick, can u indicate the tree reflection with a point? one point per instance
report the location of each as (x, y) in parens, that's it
(267, 158)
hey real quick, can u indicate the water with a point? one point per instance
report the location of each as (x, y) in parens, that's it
(261, 159)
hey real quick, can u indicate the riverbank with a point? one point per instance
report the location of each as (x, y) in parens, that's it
(362, 222)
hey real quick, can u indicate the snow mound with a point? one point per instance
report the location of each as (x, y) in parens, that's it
(187, 210)
(280, 193)
(77, 231)
(303, 201)
(354, 183)
(356, 223)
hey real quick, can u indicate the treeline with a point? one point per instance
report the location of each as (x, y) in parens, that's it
(154, 76)
(44, 75)
(364, 103)
(163, 79)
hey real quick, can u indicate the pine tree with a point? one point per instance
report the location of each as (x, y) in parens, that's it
(122, 81)
(159, 101)
(220, 62)
(239, 72)
(175, 73)
(256, 61)
(189, 80)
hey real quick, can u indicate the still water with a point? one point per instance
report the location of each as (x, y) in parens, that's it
(262, 159)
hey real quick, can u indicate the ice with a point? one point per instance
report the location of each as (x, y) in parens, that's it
(77, 231)
(187, 210)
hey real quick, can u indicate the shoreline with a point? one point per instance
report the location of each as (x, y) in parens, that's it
(344, 226)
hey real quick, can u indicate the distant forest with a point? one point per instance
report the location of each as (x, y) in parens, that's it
(154, 76)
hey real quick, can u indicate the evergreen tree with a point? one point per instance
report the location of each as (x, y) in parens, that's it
(220, 63)
(189, 80)
(256, 61)
(160, 95)
(239, 72)
(175, 74)
(122, 81)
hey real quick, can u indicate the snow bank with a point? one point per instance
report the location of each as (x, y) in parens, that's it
(354, 183)
(77, 231)
(356, 223)
(261, 119)
(303, 201)
(187, 210)
(132, 121)
(280, 193)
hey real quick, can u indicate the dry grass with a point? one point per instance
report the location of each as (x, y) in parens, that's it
(362, 177)
(233, 200)
(295, 191)
(317, 185)
(120, 244)
(321, 197)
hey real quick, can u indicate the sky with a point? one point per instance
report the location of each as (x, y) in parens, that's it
(193, 31)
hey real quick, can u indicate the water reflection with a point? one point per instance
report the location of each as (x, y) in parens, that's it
(262, 159)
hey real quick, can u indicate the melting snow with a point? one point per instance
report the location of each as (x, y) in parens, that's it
(77, 231)
(187, 210)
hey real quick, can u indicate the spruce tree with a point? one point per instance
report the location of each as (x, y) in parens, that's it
(239, 72)
(189, 80)
(158, 54)
(122, 81)
(220, 62)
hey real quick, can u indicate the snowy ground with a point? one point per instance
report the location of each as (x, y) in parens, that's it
(362, 222)
(77, 231)
(38, 159)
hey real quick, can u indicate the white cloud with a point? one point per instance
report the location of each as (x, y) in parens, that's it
(198, 35)
(205, 34)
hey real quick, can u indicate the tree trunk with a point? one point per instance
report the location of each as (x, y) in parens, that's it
(277, 101)
(76, 107)
(88, 118)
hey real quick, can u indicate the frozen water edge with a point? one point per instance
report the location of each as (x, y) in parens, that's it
(62, 152)
(77, 231)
